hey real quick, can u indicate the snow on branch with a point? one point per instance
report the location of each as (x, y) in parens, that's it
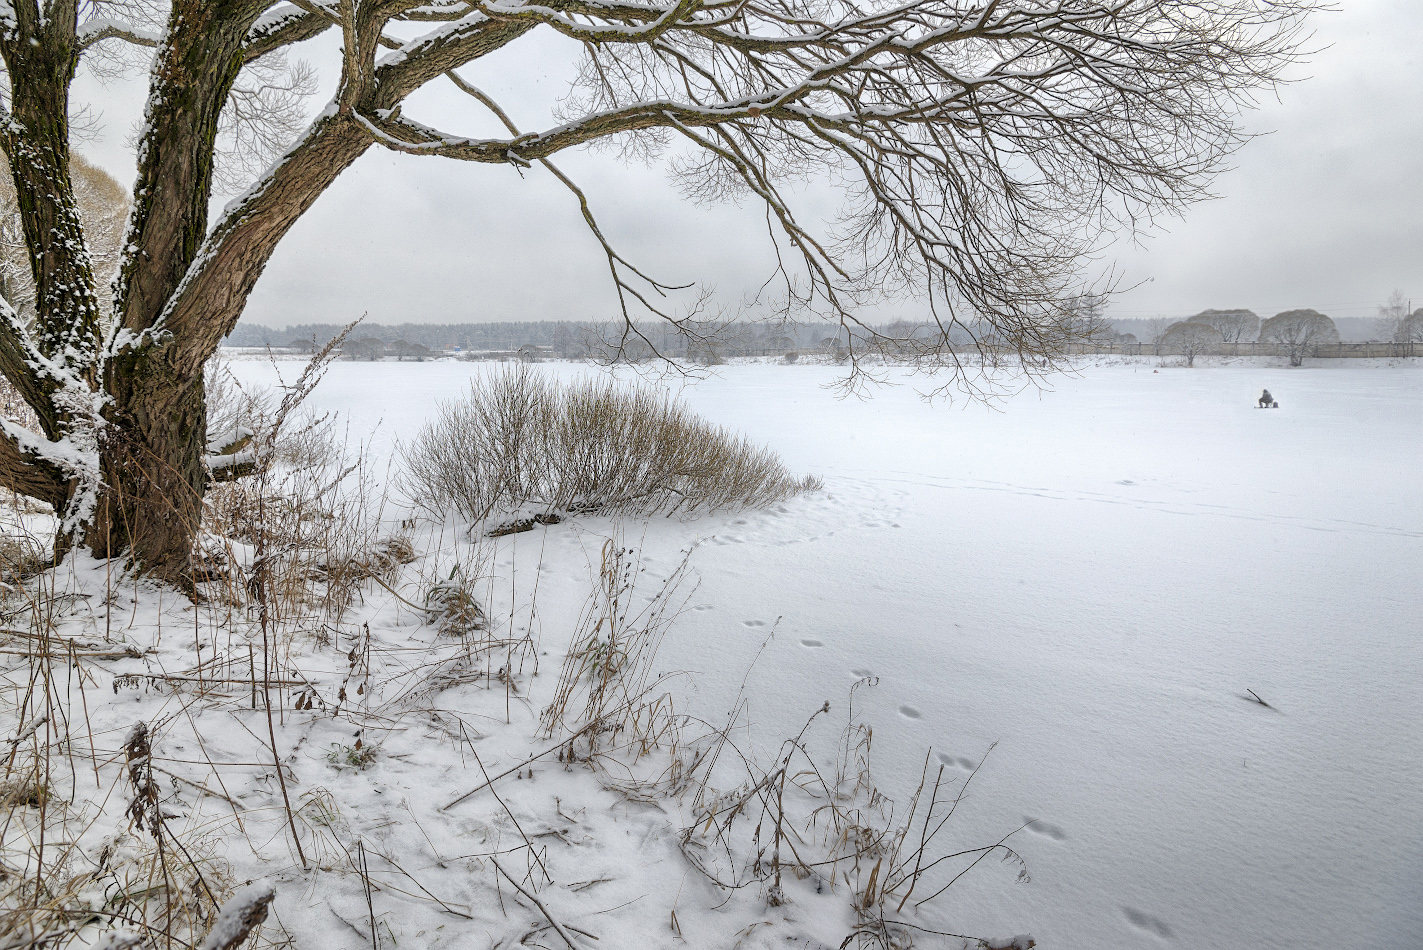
(98, 29)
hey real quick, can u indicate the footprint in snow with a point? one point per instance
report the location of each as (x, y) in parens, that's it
(811, 643)
(1040, 827)
(754, 623)
(966, 764)
(861, 674)
(1126, 481)
(704, 607)
(1150, 924)
(956, 761)
(909, 712)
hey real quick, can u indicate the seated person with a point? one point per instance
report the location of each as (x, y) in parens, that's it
(1266, 400)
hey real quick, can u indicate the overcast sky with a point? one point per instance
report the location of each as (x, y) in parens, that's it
(1326, 211)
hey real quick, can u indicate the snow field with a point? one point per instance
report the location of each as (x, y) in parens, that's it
(1093, 578)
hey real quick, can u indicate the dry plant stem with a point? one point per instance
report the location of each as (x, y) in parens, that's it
(537, 903)
(924, 834)
(533, 852)
(292, 398)
(510, 771)
(267, 700)
(370, 904)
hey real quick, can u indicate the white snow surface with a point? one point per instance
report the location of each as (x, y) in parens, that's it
(1095, 578)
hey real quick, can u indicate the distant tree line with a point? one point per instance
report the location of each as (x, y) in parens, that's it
(1294, 332)
(1351, 329)
(561, 338)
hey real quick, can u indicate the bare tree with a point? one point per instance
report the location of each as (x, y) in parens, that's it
(1190, 338)
(1410, 331)
(1235, 326)
(983, 146)
(1085, 316)
(1389, 323)
(1156, 328)
(1296, 332)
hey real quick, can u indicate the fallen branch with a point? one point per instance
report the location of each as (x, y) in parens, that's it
(538, 903)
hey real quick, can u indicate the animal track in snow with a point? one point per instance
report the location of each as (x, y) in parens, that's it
(909, 712)
(811, 643)
(861, 674)
(754, 623)
(704, 607)
(965, 764)
(1040, 827)
(1150, 924)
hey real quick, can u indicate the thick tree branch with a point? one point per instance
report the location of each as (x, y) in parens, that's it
(98, 30)
(196, 67)
(283, 27)
(25, 471)
(206, 306)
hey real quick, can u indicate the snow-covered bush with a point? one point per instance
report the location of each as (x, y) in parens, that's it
(523, 439)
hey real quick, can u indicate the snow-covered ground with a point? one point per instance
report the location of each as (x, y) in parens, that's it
(1093, 578)
(1096, 578)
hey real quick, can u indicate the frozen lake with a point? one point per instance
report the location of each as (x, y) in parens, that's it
(1093, 578)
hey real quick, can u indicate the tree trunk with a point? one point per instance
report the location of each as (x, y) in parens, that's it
(152, 463)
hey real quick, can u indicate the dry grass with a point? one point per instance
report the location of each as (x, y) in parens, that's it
(521, 439)
(312, 506)
(607, 695)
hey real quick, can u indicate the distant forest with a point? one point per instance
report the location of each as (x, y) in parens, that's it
(467, 336)
(513, 334)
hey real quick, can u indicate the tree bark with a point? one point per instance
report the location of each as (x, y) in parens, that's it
(152, 451)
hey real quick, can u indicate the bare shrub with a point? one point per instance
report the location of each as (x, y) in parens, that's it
(521, 439)
(14, 408)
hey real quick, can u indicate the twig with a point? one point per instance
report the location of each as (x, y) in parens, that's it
(510, 771)
(370, 905)
(538, 903)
